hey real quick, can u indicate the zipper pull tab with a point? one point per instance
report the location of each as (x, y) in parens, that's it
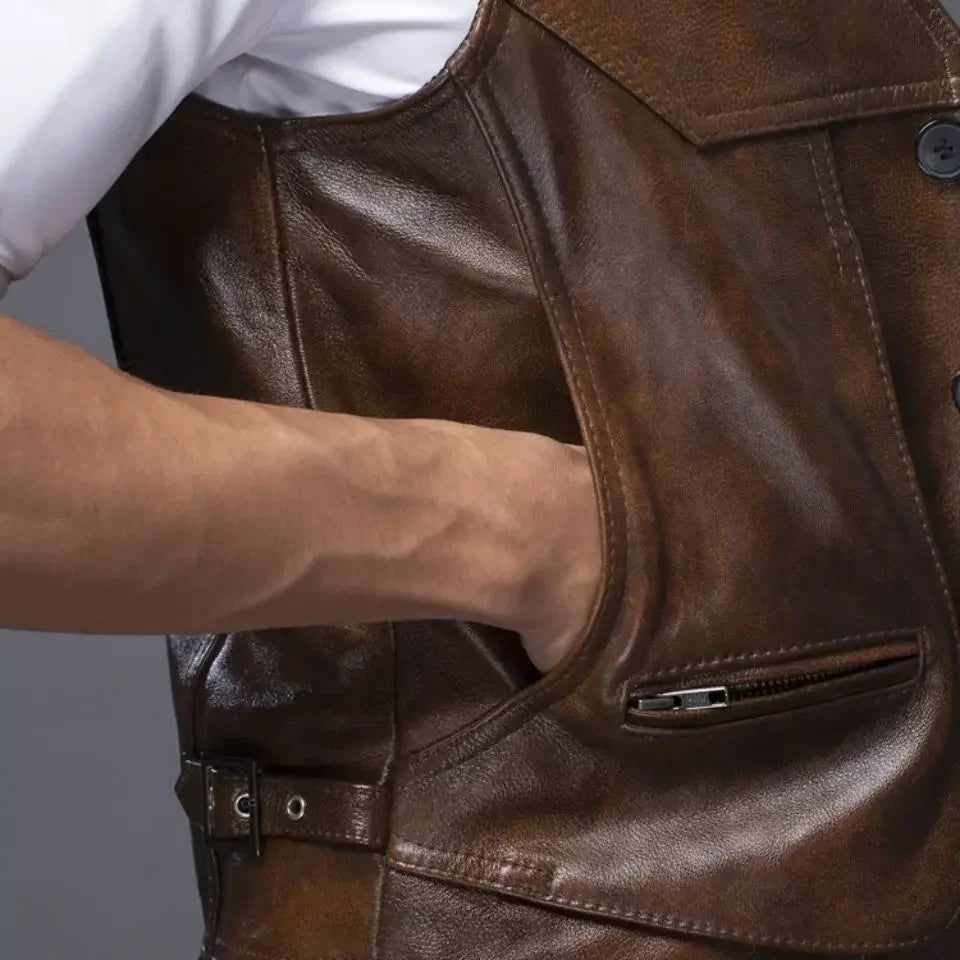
(695, 698)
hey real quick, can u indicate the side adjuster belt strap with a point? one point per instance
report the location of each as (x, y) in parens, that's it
(298, 807)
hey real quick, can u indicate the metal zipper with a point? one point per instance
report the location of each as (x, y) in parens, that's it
(711, 698)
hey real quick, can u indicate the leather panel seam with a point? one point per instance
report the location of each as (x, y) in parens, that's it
(498, 862)
(945, 32)
(198, 663)
(531, 698)
(197, 707)
(283, 273)
(928, 27)
(419, 863)
(774, 651)
(389, 765)
(398, 123)
(893, 413)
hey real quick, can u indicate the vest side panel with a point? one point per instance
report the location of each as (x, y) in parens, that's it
(273, 275)
(413, 298)
(719, 299)
(188, 240)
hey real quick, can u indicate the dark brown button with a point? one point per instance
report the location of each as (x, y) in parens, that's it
(938, 150)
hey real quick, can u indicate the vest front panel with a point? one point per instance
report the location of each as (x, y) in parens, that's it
(694, 238)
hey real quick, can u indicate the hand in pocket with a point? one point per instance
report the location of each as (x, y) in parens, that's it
(571, 572)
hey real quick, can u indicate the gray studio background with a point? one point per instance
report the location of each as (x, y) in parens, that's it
(94, 848)
(94, 851)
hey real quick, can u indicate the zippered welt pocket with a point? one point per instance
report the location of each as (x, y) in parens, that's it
(735, 691)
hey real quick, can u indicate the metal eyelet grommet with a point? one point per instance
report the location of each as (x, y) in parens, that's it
(241, 805)
(296, 807)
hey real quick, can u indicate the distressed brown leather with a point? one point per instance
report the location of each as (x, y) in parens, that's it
(694, 237)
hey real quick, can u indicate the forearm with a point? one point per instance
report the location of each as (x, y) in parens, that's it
(125, 508)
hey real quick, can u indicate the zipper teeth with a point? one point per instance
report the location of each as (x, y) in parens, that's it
(759, 688)
(693, 697)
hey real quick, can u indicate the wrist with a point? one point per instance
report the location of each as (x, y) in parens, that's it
(536, 554)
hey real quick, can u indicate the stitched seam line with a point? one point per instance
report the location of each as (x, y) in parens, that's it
(773, 651)
(578, 665)
(322, 834)
(834, 242)
(665, 920)
(473, 855)
(283, 276)
(461, 741)
(623, 67)
(947, 30)
(473, 65)
(360, 833)
(367, 791)
(348, 793)
(386, 127)
(421, 104)
(649, 90)
(893, 410)
(587, 401)
(387, 774)
(619, 910)
(418, 860)
(892, 407)
(937, 42)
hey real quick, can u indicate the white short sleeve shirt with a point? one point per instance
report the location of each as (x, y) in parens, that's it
(85, 84)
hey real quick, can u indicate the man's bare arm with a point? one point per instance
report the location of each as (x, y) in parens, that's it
(126, 508)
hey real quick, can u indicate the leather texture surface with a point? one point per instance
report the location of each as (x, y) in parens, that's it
(693, 237)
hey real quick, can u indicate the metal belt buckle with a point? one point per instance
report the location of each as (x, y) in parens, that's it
(251, 771)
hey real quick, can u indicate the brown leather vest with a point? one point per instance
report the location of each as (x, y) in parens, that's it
(705, 240)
